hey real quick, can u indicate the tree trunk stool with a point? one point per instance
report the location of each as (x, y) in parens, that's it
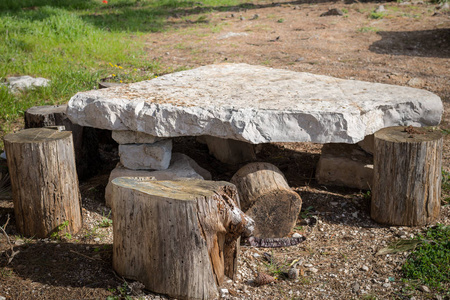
(407, 176)
(44, 181)
(177, 237)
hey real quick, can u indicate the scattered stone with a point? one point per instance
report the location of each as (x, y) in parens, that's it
(345, 165)
(3, 155)
(154, 156)
(224, 292)
(97, 239)
(415, 82)
(2, 298)
(368, 144)
(22, 83)
(380, 9)
(355, 287)
(386, 285)
(300, 59)
(405, 3)
(444, 6)
(231, 34)
(134, 137)
(256, 16)
(204, 101)
(296, 235)
(333, 12)
(313, 270)
(105, 85)
(424, 288)
(293, 273)
(365, 268)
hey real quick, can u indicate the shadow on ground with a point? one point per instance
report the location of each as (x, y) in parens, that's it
(424, 43)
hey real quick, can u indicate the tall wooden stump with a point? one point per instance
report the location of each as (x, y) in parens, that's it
(267, 198)
(177, 237)
(407, 176)
(44, 181)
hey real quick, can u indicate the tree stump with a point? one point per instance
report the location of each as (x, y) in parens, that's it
(177, 237)
(407, 176)
(267, 198)
(44, 181)
(85, 139)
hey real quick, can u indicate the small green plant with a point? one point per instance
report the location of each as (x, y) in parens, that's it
(367, 195)
(280, 20)
(345, 11)
(429, 263)
(106, 221)
(368, 29)
(57, 233)
(377, 15)
(307, 212)
(121, 293)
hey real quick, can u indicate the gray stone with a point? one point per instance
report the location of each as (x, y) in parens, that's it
(368, 144)
(230, 151)
(134, 137)
(333, 12)
(380, 9)
(17, 84)
(255, 104)
(154, 156)
(181, 167)
(345, 165)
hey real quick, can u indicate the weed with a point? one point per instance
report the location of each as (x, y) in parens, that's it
(377, 15)
(429, 263)
(57, 233)
(122, 293)
(106, 221)
(307, 212)
(345, 11)
(367, 195)
(368, 29)
(280, 20)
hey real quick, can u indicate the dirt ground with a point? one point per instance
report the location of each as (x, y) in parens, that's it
(408, 44)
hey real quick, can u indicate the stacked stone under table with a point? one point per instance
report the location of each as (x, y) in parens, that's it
(237, 105)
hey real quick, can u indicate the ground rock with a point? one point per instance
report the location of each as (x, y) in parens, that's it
(230, 151)
(255, 104)
(181, 167)
(17, 84)
(154, 156)
(133, 137)
(368, 144)
(333, 12)
(345, 165)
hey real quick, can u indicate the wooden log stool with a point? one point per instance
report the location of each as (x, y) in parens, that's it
(177, 237)
(407, 176)
(44, 181)
(267, 198)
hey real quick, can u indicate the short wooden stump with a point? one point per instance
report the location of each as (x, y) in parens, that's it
(44, 181)
(407, 176)
(177, 237)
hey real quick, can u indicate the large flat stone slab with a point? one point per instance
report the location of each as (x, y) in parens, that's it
(255, 104)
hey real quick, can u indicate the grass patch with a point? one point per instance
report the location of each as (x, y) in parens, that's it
(377, 15)
(368, 29)
(429, 263)
(78, 43)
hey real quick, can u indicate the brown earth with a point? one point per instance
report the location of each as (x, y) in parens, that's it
(408, 45)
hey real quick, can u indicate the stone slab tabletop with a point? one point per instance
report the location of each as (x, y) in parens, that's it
(255, 104)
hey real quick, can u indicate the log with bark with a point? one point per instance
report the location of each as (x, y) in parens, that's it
(85, 139)
(267, 198)
(177, 237)
(44, 181)
(407, 176)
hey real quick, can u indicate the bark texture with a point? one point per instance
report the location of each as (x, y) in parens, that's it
(85, 139)
(177, 237)
(407, 176)
(44, 181)
(267, 198)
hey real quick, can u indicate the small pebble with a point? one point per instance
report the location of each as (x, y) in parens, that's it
(365, 268)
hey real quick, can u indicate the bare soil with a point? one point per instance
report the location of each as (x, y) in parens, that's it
(409, 45)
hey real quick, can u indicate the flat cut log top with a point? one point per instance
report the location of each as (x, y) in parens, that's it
(255, 104)
(37, 135)
(176, 190)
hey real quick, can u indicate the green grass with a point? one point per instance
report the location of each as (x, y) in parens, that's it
(78, 43)
(429, 263)
(377, 15)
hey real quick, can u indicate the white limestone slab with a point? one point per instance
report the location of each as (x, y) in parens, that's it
(255, 104)
(154, 156)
